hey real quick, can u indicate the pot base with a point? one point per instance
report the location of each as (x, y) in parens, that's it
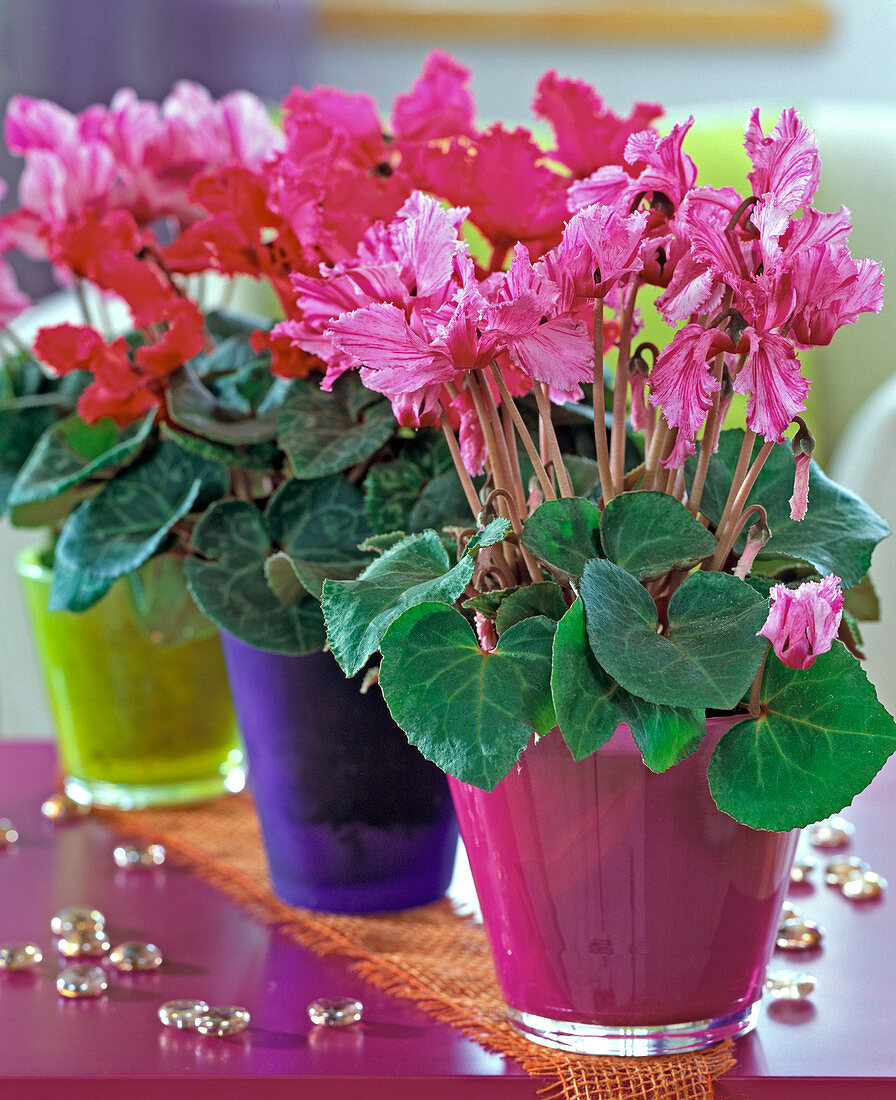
(141, 796)
(579, 1038)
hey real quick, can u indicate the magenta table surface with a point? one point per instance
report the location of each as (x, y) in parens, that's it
(841, 1044)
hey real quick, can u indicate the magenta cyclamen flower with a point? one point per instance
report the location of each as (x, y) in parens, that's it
(803, 622)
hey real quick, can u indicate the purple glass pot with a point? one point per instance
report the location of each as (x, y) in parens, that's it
(626, 913)
(354, 819)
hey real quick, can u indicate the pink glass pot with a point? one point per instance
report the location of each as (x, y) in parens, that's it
(626, 913)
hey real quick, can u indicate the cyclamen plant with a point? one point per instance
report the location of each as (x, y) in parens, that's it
(644, 598)
(163, 440)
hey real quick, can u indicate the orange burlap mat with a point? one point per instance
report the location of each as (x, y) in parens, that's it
(432, 955)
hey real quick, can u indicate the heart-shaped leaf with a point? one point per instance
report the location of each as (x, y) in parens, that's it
(72, 451)
(649, 534)
(821, 738)
(324, 433)
(76, 589)
(470, 712)
(230, 585)
(124, 525)
(193, 406)
(839, 531)
(358, 612)
(710, 654)
(545, 598)
(564, 534)
(320, 524)
(590, 704)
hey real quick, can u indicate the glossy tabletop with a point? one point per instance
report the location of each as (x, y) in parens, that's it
(841, 1043)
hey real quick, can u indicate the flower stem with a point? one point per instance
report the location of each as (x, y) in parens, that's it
(599, 405)
(620, 391)
(544, 409)
(655, 453)
(728, 535)
(707, 440)
(468, 487)
(740, 472)
(525, 438)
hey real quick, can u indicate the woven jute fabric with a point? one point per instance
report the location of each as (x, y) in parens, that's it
(433, 955)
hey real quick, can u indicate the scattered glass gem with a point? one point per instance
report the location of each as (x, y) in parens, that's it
(867, 886)
(790, 985)
(839, 870)
(19, 956)
(77, 918)
(139, 855)
(335, 1011)
(82, 980)
(789, 911)
(802, 868)
(182, 1014)
(80, 945)
(798, 935)
(134, 955)
(833, 832)
(222, 1020)
(8, 834)
(59, 807)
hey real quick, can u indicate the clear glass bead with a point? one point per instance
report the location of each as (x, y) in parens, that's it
(61, 808)
(790, 985)
(867, 886)
(798, 935)
(82, 980)
(222, 1020)
(81, 945)
(833, 832)
(134, 955)
(77, 918)
(182, 1014)
(802, 868)
(127, 856)
(20, 956)
(335, 1011)
(839, 870)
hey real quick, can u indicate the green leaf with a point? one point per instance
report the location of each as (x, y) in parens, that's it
(319, 524)
(76, 589)
(161, 604)
(324, 433)
(193, 406)
(488, 603)
(650, 533)
(49, 513)
(590, 704)
(564, 534)
(495, 531)
(263, 457)
(441, 504)
(584, 475)
(124, 525)
(471, 713)
(391, 489)
(283, 581)
(861, 601)
(359, 612)
(379, 544)
(544, 598)
(72, 451)
(821, 738)
(710, 654)
(839, 531)
(231, 586)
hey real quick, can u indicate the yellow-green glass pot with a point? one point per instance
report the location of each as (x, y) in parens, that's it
(138, 724)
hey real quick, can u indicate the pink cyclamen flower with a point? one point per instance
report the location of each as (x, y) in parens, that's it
(803, 622)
